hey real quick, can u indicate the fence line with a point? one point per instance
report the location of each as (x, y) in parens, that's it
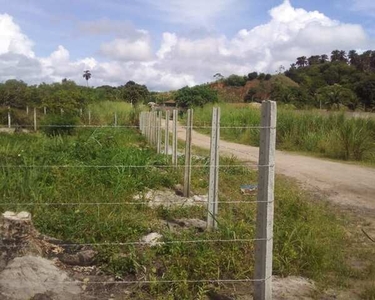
(150, 127)
(265, 198)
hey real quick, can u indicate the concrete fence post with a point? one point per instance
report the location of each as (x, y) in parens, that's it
(213, 191)
(187, 176)
(265, 205)
(9, 120)
(45, 110)
(166, 141)
(174, 137)
(115, 119)
(89, 115)
(158, 146)
(35, 124)
(61, 111)
(27, 110)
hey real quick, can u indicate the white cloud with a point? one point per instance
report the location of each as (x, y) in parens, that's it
(127, 50)
(183, 60)
(12, 39)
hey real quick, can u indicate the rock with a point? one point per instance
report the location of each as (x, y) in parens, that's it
(82, 258)
(192, 223)
(179, 189)
(29, 276)
(152, 239)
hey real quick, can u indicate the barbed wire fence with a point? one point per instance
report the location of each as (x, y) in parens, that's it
(152, 125)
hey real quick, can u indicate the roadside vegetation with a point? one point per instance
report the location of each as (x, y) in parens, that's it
(331, 135)
(310, 239)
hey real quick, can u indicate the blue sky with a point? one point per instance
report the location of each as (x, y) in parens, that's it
(167, 44)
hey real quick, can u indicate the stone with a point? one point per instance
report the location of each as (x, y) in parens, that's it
(81, 258)
(29, 276)
(152, 239)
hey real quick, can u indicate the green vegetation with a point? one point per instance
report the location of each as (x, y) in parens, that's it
(67, 95)
(195, 96)
(330, 135)
(302, 227)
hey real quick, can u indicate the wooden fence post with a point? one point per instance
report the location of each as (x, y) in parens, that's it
(187, 177)
(265, 205)
(166, 141)
(35, 125)
(174, 138)
(213, 192)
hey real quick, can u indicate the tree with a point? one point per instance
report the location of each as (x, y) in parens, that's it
(87, 76)
(252, 76)
(218, 76)
(196, 96)
(235, 80)
(335, 95)
(301, 61)
(268, 77)
(313, 60)
(366, 92)
(134, 93)
(323, 58)
(335, 55)
(262, 76)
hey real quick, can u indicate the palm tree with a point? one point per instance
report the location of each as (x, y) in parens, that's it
(301, 61)
(335, 55)
(323, 58)
(87, 76)
(342, 56)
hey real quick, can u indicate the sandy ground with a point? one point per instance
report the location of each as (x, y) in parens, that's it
(344, 184)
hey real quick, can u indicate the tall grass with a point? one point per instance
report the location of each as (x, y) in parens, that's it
(104, 113)
(334, 135)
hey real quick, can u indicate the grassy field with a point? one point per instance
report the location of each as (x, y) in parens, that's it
(333, 136)
(310, 238)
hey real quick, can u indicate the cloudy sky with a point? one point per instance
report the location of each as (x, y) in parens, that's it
(167, 44)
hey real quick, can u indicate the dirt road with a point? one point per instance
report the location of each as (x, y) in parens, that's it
(342, 183)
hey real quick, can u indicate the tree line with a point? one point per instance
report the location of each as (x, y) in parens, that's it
(67, 94)
(341, 80)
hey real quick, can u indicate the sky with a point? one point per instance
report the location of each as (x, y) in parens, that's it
(168, 44)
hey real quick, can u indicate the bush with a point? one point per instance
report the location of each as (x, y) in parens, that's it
(196, 96)
(19, 118)
(235, 80)
(262, 76)
(252, 76)
(53, 125)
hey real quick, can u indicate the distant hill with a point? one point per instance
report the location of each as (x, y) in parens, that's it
(260, 88)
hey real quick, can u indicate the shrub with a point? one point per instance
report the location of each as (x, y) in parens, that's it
(252, 76)
(235, 80)
(53, 125)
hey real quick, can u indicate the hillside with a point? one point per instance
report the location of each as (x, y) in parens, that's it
(261, 89)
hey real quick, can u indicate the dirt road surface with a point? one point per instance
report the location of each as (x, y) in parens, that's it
(344, 184)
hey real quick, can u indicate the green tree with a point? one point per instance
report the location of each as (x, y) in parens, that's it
(195, 96)
(87, 76)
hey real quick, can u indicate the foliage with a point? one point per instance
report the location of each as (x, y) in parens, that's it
(351, 71)
(252, 76)
(235, 80)
(135, 93)
(331, 134)
(57, 124)
(196, 96)
(335, 95)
